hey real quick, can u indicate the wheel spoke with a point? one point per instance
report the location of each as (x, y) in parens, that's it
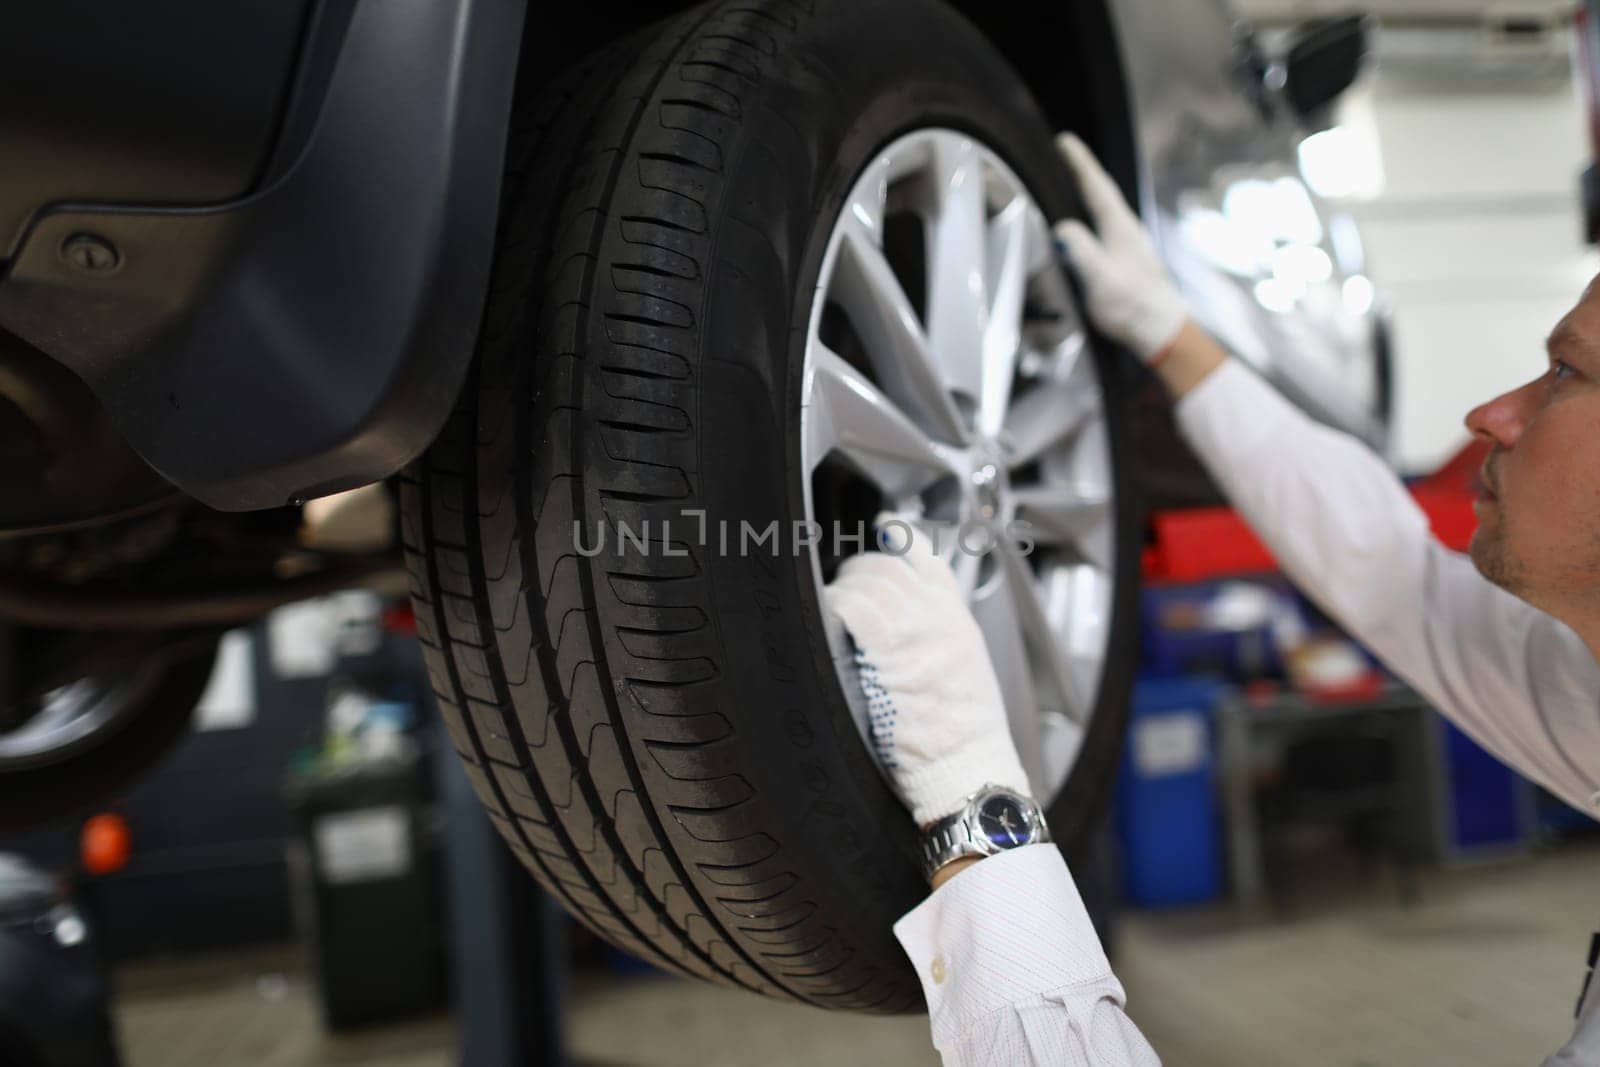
(1044, 416)
(1041, 638)
(866, 287)
(967, 567)
(1096, 547)
(1007, 258)
(1060, 739)
(846, 414)
(1064, 514)
(867, 202)
(1088, 472)
(998, 618)
(1077, 603)
(958, 291)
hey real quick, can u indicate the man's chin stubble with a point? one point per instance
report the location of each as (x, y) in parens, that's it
(1489, 555)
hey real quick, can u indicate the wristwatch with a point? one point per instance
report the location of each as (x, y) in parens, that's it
(992, 820)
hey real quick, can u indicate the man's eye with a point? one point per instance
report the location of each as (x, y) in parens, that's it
(1561, 371)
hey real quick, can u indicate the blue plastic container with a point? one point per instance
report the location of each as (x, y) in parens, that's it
(1167, 816)
(1490, 806)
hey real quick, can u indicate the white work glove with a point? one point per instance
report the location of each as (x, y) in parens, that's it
(1130, 297)
(937, 718)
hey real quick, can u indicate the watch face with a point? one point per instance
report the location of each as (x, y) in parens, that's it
(1004, 821)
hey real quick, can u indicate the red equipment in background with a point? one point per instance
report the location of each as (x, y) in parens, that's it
(1203, 543)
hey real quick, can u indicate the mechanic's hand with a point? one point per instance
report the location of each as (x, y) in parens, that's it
(1130, 297)
(938, 721)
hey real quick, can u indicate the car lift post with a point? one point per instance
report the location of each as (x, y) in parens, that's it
(508, 940)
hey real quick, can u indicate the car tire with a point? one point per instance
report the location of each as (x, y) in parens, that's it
(661, 736)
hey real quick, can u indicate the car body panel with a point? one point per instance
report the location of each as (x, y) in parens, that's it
(1244, 237)
(82, 121)
(312, 336)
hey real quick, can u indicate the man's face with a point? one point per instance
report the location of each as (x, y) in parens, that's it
(1539, 518)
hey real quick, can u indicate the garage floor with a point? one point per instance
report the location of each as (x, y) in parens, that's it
(1484, 972)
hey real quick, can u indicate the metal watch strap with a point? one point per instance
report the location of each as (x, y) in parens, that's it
(948, 840)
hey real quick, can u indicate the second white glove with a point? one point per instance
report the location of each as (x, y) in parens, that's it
(1129, 295)
(937, 717)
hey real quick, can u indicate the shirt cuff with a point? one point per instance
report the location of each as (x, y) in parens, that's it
(1003, 932)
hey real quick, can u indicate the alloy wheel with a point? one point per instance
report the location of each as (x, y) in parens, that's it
(948, 379)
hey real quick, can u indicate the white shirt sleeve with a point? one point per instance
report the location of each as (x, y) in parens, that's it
(1346, 531)
(1013, 972)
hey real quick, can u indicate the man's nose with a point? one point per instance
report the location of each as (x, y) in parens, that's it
(1502, 419)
